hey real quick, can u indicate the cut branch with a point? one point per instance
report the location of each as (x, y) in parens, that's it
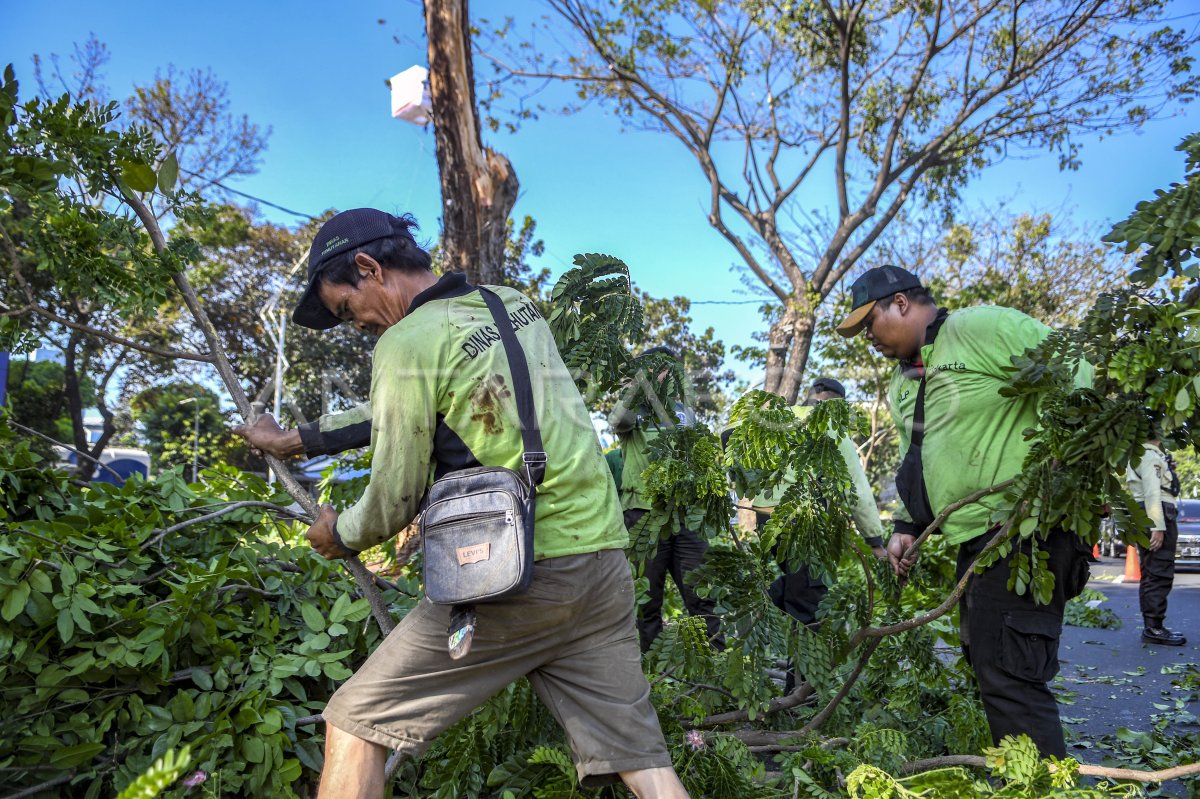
(1085, 769)
(365, 582)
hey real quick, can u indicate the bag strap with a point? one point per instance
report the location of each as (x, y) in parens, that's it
(918, 422)
(534, 456)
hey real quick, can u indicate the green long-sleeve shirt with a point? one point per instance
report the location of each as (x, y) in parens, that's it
(442, 400)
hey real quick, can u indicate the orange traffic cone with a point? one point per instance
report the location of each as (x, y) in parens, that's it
(1133, 570)
(1096, 551)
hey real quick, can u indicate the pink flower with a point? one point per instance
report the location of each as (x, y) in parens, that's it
(695, 739)
(194, 779)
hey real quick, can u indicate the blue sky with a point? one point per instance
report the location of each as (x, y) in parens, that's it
(315, 74)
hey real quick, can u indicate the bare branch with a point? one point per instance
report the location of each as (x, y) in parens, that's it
(44, 437)
(1085, 769)
(365, 582)
(159, 535)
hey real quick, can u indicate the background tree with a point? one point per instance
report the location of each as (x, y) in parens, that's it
(37, 399)
(191, 124)
(479, 185)
(890, 103)
(183, 421)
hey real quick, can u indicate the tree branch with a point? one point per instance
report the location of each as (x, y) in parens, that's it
(977, 761)
(44, 437)
(233, 385)
(159, 535)
(48, 784)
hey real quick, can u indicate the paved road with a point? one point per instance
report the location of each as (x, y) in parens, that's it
(1109, 679)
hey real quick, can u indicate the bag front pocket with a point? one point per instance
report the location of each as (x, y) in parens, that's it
(476, 547)
(1029, 645)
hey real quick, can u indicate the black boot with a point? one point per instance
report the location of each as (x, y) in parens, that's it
(1157, 634)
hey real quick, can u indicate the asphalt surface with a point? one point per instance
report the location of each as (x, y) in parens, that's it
(1110, 680)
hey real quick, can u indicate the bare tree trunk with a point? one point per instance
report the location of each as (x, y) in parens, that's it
(479, 186)
(788, 345)
(74, 393)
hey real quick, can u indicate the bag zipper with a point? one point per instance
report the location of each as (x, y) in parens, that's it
(455, 521)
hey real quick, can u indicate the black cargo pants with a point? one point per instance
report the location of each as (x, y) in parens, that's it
(1012, 643)
(1158, 572)
(677, 555)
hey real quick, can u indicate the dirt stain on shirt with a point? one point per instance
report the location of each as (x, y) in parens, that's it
(486, 401)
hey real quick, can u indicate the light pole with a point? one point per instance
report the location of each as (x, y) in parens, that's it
(195, 434)
(275, 333)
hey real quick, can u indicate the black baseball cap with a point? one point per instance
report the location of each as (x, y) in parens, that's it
(871, 285)
(828, 384)
(345, 232)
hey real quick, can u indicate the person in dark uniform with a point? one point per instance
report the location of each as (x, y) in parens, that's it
(678, 552)
(1155, 485)
(958, 436)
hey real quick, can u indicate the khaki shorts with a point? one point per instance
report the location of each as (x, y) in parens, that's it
(572, 634)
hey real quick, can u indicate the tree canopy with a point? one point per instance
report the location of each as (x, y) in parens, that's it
(890, 104)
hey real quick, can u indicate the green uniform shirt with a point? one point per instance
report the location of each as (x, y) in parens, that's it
(442, 400)
(973, 436)
(1150, 484)
(635, 432)
(865, 512)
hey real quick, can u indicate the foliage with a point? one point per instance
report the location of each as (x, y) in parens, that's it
(183, 421)
(125, 640)
(162, 772)
(1140, 341)
(159, 613)
(37, 399)
(894, 104)
(79, 271)
(1085, 611)
(1016, 772)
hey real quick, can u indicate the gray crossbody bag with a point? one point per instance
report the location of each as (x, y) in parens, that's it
(477, 528)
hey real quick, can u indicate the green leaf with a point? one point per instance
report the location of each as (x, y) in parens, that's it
(271, 722)
(202, 679)
(14, 603)
(340, 606)
(71, 756)
(1183, 400)
(66, 625)
(253, 749)
(312, 617)
(40, 581)
(139, 177)
(168, 173)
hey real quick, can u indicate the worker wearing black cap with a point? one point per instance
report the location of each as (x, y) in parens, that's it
(442, 400)
(960, 435)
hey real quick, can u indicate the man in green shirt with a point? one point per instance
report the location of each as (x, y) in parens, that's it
(1154, 484)
(442, 400)
(678, 551)
(958, 435)
(798, 592)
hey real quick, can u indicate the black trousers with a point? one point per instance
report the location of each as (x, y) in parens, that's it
(1012, 643)
(676, 556)
(1158, 572)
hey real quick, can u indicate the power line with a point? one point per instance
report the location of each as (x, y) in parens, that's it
(260, 200)
(729, 302)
